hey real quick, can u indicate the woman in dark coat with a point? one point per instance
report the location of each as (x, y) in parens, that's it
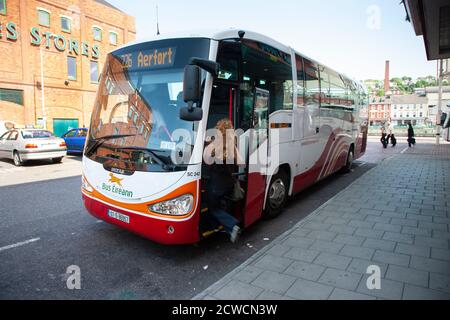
(222, 182)
(411, 140)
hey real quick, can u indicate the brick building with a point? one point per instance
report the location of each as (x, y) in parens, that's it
(379, 110)
(70, 40)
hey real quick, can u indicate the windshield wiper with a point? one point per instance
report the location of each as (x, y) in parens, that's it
(99, 141)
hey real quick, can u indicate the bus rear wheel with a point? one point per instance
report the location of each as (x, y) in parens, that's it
(349, 163)
(277, 195)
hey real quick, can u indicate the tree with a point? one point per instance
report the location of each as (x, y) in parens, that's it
(380, 92)
(422, 83)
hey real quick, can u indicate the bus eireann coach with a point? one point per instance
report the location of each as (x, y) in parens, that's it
(152, 93)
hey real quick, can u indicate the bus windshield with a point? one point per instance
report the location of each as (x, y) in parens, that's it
(135, 123)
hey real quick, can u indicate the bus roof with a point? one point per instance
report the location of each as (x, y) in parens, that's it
(232, 33)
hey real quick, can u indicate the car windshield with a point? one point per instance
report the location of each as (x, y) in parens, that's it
(36, 134)
(138, 101)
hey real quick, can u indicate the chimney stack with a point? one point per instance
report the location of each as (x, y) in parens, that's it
(387, 86)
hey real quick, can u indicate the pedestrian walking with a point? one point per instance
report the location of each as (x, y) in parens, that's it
(384, 140)
(411, 139)
(393, 140)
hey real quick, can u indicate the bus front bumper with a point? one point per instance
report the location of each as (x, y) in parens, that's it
(160, 231)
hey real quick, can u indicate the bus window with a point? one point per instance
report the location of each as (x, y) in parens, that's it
(312, 87)
(222, 103)
(312, 99)
(270, 69)
(246, 111)
(300, 81)
(324, 87)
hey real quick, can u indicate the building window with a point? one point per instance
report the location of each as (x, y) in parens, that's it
(44, 17)
(3, 7)
(66, 24)
(71, 68)
(97, 33)
(113, 38)
(130, 112)
(10, 95)
(94, 71)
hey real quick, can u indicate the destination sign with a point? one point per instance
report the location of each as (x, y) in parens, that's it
(149, 59)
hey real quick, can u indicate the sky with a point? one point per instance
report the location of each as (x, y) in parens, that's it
(354, 37)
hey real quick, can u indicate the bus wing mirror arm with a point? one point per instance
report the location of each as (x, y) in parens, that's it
(207, 65)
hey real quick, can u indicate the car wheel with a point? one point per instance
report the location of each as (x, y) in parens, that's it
(349, 163)
(57, 160)
(276, 195)
(16, 158)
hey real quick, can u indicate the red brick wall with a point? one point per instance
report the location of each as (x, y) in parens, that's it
(20, 60)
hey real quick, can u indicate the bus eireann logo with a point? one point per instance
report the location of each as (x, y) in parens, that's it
(114, 179)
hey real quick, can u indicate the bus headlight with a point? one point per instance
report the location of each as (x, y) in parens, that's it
(85, 185)
(179, 206)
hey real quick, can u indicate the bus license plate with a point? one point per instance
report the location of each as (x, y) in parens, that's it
(119, 216)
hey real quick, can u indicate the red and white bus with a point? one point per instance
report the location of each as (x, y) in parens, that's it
(158, 98)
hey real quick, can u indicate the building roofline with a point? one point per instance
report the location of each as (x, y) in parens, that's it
(106, 3)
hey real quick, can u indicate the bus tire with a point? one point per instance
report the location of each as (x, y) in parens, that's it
(349, 162)
(277, 195)
(16, 158)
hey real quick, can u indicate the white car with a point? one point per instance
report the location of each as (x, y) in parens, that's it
(31, 144)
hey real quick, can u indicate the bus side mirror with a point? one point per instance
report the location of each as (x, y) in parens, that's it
(191, 94)
(191, 84)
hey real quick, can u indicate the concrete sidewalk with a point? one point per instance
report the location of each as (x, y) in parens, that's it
(396, 216)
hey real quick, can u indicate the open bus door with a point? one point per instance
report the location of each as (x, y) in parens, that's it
(257, 158)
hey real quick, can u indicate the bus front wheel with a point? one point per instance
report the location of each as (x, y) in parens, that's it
(277, 195)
